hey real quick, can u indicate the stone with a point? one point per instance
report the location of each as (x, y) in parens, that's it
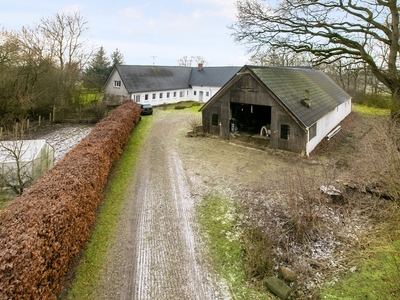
(278, 287)
(287, 274)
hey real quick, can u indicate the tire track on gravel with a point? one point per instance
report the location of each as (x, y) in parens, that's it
(156, 254)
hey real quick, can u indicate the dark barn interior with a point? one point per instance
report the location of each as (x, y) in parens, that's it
(250, 118)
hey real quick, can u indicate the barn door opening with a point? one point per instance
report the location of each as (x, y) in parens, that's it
(251, 118)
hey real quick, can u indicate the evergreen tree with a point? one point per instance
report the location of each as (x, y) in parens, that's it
(98, 70)
(117, 58)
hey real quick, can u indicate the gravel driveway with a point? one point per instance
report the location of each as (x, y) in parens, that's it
(157, 253)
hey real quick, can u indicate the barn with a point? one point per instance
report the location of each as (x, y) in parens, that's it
(294, 108)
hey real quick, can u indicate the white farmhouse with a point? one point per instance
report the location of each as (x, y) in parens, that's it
(157, 85)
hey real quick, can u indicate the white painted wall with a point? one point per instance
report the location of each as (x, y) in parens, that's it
(116, 90)
(204, 93)
(200, 94)
(161, 97)
(327, 123)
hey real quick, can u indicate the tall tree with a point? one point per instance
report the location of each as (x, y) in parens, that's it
(41, 65)
(330, 30)
(65, 44)
(117, 58)
(97, 70)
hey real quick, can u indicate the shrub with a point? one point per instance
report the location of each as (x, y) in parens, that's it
(42, 231)
(379, 100)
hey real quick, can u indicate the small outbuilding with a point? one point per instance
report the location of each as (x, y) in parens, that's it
(22, 162)
(295, 108)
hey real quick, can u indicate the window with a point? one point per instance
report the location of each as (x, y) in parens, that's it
(207, 94)
(146, 97)
(285, 132)
(181, 94)
(174, 94)
(117, 83)
(160, 95)
(195, 93)
(137, 98)
(214, 120)
(168, 95)
(312, 132)
(154, 96)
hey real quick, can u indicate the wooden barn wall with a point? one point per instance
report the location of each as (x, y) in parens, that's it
(297, 137)
(248, 91)
(207, 118)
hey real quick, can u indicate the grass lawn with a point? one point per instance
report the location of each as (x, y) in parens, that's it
(378, 272)
(370, 111)
(217, 219)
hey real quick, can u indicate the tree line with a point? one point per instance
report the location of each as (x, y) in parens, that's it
(50, 64)
(356, 42)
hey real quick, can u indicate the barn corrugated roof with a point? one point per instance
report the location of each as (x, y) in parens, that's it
(138, 78)
(289, 84)
(212, 76)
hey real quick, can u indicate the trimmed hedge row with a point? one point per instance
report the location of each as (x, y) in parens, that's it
(42, 231)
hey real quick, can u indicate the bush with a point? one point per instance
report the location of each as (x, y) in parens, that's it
(380, 101)
(42, 231)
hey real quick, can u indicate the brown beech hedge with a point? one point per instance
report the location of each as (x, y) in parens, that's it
(42, 231)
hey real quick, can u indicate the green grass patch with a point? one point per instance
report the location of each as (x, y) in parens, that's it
(89, 97)
(218, 222)
(377, 278)
(192, 105)
(370, 111)
(90, 269)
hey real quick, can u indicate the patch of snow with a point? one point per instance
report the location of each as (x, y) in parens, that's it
(65, 138)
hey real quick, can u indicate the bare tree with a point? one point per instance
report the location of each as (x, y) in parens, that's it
(200, 60)
(185, 61)
(16, 167)
(329, 30)
(279, 57)
(64, 39)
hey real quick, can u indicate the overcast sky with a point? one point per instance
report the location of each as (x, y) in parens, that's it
(145, 32)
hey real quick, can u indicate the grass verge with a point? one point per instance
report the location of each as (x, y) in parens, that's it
(378, 273)
(89, 270)
(370, 111)
(378, 277)
(218, 222)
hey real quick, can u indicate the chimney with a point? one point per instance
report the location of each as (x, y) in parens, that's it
(200, 67)
(306, 99)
